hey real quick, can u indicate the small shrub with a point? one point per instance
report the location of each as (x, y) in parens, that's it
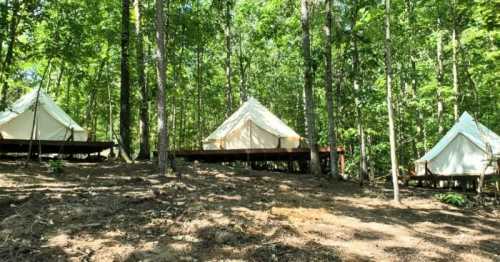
(452, 198)
(56, 166)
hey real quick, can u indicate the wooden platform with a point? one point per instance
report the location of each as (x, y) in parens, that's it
(48, 146)
(300, 155)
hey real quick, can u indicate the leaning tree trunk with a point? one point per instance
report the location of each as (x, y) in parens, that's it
(125, 81)
(308, 89)
(227, 39)
(143, 108)
(161, 79)
(390, 110)
(328, 91)
(488, 163)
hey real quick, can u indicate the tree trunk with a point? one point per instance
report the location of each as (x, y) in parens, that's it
(125, 80)
(91, 107)
(455, 42)
(243, 64)
(418, 115)
(59, 79)
(340, 74)
(34, 122)
(488, 163)
(439, 75)
(182, 122)
(199, 112)
(332, 141)
(3, 24)
(308, 89)
(175, 136)
(227, 38)
(144, 98)
(161, 79)
(14, 21)
(363, 166)
(110, 118)
(390, 110)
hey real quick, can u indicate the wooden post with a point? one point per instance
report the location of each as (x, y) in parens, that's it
(341, 162)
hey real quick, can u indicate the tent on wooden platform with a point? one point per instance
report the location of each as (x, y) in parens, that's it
(252, 126)
(51, 122)
(463, 151)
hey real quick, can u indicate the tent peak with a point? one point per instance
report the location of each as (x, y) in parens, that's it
(465, 116)
(252, 99)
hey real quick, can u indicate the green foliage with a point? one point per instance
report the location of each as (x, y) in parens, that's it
(72, 49)
(452, 198)
(56, 166)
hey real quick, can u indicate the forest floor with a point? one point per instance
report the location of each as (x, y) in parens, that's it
(117, 212)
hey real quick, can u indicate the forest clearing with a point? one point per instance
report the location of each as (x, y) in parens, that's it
(117, 212)
(249, 130)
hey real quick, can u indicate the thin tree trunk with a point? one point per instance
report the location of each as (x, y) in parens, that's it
(14, 21)
(243, 76)
(440, 78)
(110, 119)
(59, 79)
(332, 141)
(199, 112)
(33, 126)
(227, 39)
(418, 116)
(390, 110)
(308, 89)
(371, 170)
(363, 166)
(338, 90)
(35, 111)
(144, 98)
(93, 94)
(455, 47)
(125, 81)
(182, 123)
(175, 136)
(69, 82)
(161, 79)
(3, 24)
(488, 163)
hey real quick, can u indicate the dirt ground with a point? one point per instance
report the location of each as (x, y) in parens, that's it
(116, 212)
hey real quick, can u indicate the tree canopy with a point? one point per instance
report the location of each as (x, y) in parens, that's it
(72, 49)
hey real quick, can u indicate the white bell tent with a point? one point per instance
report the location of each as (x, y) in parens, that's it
(462, 151)
(51, 122)
(252, 126)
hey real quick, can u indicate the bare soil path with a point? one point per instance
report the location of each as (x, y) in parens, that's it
(117, 212)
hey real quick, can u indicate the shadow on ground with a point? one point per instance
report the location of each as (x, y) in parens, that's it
(116, 212)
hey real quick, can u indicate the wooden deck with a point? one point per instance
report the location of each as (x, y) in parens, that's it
(299, 155)
(48, 146)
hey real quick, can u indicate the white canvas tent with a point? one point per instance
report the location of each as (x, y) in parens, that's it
(252, 126)
(51, 123)
(462, 151)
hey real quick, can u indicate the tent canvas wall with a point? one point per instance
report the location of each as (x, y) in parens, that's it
(51, 123)
(252, 126)
(462, 151)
